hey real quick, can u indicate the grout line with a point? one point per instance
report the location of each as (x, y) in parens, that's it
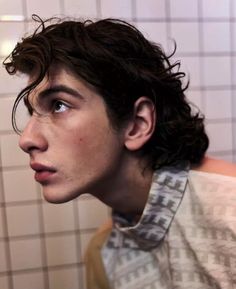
(203, 88)
(62, 7)
(201, 51)
(168, 26)
(24, 8)
(219, 121)
(36, 201)
(39, 269)
(77, 239)
(51, 234)
(233, 73)
(151, 19)
(184, 20)
(222, 153)
(6, 233)
(43, 242)
(99, 8)
(16, 167)
(133, 10)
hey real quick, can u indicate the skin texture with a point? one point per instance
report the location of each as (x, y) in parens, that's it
(215, 166)
(70, 133)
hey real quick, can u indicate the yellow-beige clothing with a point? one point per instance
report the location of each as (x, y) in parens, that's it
(186, 237)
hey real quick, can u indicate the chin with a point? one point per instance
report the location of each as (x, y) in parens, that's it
(57, 195)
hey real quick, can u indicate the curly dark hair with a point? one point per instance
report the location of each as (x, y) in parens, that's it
(122, 65)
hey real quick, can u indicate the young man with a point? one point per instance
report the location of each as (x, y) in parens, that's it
(108, 116)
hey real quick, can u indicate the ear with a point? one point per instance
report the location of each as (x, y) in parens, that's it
(142, 125)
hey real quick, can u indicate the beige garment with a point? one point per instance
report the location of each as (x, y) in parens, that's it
(198, 250)
(95, 274)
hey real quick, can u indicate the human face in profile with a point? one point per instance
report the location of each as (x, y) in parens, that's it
(72, 146)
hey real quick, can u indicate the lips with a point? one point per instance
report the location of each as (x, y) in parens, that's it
(42, 173)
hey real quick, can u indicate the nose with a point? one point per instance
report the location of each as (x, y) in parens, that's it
(32, 137)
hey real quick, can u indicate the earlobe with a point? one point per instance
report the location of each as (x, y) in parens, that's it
(142, 125)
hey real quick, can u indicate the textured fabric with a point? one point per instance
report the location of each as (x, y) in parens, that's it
(186, 237)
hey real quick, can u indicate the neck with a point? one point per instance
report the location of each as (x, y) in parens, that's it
(129, 190)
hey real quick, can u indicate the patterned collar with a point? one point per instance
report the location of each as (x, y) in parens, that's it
(166, 193)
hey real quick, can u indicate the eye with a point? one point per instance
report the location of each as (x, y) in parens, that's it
(59, 106)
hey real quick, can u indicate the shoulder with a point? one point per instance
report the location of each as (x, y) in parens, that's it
(215, 166)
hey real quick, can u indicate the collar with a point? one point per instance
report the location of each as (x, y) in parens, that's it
(166, 192)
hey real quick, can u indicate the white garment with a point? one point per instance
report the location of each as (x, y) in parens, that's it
(185, 239)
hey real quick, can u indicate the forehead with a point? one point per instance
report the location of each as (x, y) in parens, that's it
(61, 76)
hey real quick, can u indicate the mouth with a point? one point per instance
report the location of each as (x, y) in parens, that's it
(42, 173)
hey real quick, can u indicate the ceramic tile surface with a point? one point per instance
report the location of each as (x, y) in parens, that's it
(44, 243)
(151, 9)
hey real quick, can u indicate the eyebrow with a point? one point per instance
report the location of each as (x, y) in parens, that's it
(60, 88)
(49, 91)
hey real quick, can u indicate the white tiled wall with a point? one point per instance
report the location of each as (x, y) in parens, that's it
(41, 245)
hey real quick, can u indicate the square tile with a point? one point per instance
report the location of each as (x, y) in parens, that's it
(150, 9)
(184, 9)
(65, 278)
(92, 213)
(154, 31)
(61, 250)
(186, 36)
(9, 84)
(29, 280)
(217, 71)
(6, 105)
(220, 135)
(11, 33)
(11, 154)
(31, 26)
(43, 8)
(218, 104)
(81, 8)
(26, 254)
(3, 257)
(4, 281)
(19, 185)
(58, 217)
(216, 8)
(195, 99)
(113, 8)
(11, 7)
(191, 67)
(216, 37)
(23, 220)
